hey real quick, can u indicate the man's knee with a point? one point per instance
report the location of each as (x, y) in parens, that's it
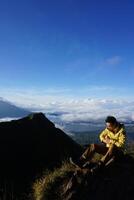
(112, 150)
(89, 149)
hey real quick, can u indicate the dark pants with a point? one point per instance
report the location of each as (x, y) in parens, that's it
(107, 152)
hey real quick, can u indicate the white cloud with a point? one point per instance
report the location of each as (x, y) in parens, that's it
(96, 109)
(73, 108)
(115, 60)
(6, 119)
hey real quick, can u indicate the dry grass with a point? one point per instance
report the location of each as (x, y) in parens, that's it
(46, 187)
(52, 183)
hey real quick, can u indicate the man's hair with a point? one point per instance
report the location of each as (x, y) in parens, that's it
(111, 119)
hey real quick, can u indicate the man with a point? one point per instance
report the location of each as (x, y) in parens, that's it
(113, 138)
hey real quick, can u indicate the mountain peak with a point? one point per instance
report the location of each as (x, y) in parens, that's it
(34, 140)
(40, 119)
(37, 115)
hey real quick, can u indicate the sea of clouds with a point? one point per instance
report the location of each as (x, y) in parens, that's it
(58, 103)
(85, 110)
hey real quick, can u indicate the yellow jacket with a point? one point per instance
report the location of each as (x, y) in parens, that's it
(118, 138)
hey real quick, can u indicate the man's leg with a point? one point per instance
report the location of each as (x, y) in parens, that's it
(112, 152)
(92, 149)
(88, 154)
(108, 153)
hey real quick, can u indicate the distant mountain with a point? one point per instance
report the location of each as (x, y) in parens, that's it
(31, 144)
(7, 109)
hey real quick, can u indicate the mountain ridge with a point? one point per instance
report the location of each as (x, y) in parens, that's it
(29, 145)
(8, 109)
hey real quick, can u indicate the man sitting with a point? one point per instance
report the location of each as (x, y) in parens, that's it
(113, 138)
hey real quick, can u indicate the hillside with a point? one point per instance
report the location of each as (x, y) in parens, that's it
(112, 182)
(31, 144)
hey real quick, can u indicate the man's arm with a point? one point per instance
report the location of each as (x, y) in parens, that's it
(121, 139)
(104, 137)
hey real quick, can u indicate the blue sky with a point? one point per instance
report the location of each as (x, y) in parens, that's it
(67, 48)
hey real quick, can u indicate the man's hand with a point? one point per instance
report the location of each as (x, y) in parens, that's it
(106, 139)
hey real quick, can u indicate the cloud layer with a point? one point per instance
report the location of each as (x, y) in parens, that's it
(69, 108)
(95, 110)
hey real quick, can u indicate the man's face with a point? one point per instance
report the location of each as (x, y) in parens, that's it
(110, 126)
